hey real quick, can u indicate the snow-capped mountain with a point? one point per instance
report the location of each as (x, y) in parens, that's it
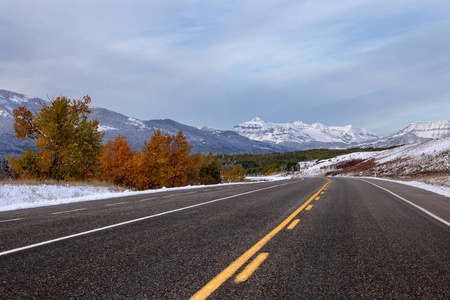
(414, 133)
(299, 135)
(427, 130)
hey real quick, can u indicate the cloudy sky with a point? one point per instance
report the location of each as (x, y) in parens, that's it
(378, 65)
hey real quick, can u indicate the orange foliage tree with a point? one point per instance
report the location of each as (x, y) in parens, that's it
(164, 161)
(233, 173)
(116, 161)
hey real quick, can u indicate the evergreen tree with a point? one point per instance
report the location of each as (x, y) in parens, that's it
(210, 170)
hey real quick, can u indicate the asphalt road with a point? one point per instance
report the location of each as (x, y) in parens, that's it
(356, 241)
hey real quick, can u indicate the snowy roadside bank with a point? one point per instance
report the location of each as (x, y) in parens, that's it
(14, 197)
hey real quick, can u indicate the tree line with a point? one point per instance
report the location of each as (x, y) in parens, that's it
(69, 147)
(264, 164)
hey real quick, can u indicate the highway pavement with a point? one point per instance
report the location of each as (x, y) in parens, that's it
(309, 238)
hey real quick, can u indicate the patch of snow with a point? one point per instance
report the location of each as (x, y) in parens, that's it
(5, 114)
(207, 128)
(19, 100)
(277, 177)
(106, 128)
(137, 123)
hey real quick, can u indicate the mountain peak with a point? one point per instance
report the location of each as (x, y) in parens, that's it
(254, 123)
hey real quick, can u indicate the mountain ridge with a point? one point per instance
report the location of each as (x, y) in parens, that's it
(254, 136)
(135, 130)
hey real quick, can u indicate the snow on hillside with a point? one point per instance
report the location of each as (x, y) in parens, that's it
(427, 159)
(105, 128)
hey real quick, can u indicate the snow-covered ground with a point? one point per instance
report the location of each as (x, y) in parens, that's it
(428, 161)
(431, 157)
(319, 168)
(13, 197)
(276, 177)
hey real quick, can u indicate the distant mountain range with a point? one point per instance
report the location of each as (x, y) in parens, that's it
(299, 135)
(136, 131)
(255, 136)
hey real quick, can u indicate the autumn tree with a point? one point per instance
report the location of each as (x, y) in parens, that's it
(26, 166)
(68, 144)
(164, 161)
(233, 173)
(178, 160)
(116, 161)
(150, 165)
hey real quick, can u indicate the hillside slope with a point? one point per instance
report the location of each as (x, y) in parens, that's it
(429, 160)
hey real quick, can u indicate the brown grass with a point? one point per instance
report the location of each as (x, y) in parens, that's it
(94, 183)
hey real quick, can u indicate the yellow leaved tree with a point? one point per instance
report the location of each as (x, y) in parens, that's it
(68, 144)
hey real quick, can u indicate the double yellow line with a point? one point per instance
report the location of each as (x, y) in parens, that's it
(223, 276)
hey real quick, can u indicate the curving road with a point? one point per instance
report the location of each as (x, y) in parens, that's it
(311, 238)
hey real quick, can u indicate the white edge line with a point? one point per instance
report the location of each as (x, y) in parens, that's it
(132, 221)
(112, 204)
(147, 199)
(11, 220)
(68, 211)
(189, 193)
(409, 202)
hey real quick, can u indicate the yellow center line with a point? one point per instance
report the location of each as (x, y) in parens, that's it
(309, 207)
(248, 271)
(317, 198)
(223, 276)
(293, 224)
